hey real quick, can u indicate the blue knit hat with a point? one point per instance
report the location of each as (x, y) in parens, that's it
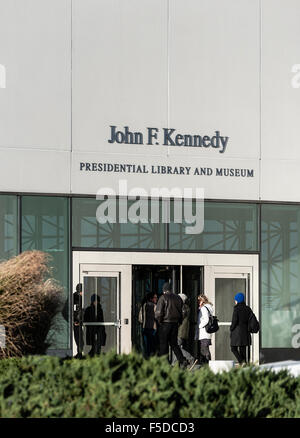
(239, 297)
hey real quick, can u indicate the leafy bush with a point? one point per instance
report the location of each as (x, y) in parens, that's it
(124, 386)
(29, 300)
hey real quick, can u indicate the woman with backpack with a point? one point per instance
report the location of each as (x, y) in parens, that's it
(205, 308)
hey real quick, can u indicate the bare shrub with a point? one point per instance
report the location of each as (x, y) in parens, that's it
(29, 300)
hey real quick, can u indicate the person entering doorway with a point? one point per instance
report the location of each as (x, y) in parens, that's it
(202, 337)
(240, 337)
(149, 324)
(169, 315)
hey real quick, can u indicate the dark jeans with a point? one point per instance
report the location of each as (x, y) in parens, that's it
(167, 333)
(96, 344)
(203, 351)
(240, 353)
(150, 341)
(78, 336)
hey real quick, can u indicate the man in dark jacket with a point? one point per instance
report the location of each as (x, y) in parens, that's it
(240, 337)
(168, 313)
(95, 334)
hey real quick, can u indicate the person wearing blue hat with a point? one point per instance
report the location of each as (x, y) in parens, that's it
(240, 337)
(239, 298)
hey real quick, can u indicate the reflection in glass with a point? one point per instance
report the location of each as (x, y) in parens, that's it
(8, 227)
(225, 290)
(227, 227)
(88, 232)
(107, 289)
(222, 344)
(45, 226)
(280, 275)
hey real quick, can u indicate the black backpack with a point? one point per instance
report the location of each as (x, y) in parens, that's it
(253, 324)
(212, 326)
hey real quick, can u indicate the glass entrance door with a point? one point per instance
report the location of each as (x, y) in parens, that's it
(221, 285)
(111, 282)
(101, 316)
(226, 287)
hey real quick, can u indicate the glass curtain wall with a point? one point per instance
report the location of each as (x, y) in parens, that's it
(45, 227)
(280, 276)
(227, 227)
(8, 226)
(128, 233)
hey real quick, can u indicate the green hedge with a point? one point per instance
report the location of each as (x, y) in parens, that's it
(124, 386)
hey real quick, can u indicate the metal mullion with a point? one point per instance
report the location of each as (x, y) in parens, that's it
(19, 223)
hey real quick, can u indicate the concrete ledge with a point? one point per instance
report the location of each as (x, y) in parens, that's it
(292, 366)
(218, 366)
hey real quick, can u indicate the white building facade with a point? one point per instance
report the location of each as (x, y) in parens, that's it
(200, 98)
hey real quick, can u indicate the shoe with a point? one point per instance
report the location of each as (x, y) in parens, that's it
(184, 364)
(191, 367)
(240, 365)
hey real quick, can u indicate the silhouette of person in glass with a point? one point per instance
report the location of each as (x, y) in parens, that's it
(95, 334)
(78, 332)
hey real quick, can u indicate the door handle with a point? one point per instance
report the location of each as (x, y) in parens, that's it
(118, 324)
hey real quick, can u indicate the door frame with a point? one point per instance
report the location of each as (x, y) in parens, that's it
(213, 272)
(94, 264)
(93, 270)
(122, 261)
